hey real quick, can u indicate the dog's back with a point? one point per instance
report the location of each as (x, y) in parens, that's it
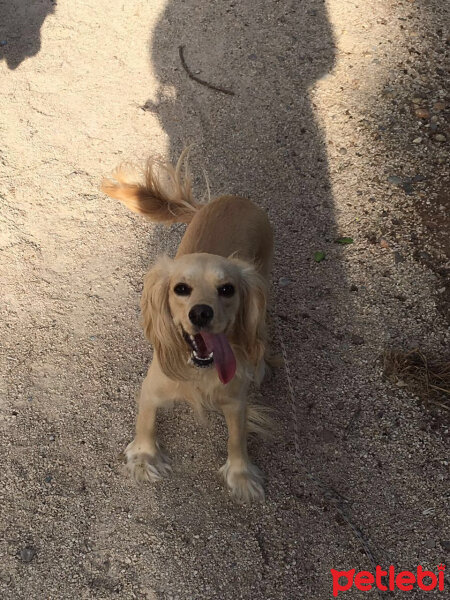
(227, 226)
(231, 225)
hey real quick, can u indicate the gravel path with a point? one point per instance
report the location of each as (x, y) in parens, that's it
(338, 126)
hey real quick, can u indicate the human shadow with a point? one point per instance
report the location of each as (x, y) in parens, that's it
(20, 28)
(263, 141)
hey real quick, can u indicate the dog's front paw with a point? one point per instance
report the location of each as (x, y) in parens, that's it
(245, 483)
(146, 466)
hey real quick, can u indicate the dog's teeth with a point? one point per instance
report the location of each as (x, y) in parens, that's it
(202, 358)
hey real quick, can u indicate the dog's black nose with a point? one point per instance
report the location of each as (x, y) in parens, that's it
(201, 314)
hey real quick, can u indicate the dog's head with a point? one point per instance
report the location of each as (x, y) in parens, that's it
(199, 309)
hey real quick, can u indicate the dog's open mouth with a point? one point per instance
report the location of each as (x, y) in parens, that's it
(200, 356)
(212, 348)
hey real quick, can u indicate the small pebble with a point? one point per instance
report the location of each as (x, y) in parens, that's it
(439, 137)
(284, 281)
(27, 554)
(395, 179)
(51, 437)
(425, 255)
(357, 340)
(407, 187)
(418, 177)
(417, 140)
(422, 113)
(398, 258)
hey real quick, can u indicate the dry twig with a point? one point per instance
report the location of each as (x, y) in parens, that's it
(216, 88)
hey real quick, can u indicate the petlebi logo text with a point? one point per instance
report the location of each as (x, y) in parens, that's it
(388, 580)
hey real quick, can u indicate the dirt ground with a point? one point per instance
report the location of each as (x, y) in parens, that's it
(338, 126)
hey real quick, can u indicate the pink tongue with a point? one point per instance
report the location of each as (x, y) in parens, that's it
(224, 360)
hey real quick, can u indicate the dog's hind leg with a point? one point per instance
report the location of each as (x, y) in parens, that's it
(145, 460)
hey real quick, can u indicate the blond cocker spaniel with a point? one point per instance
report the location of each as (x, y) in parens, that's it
(204, 312)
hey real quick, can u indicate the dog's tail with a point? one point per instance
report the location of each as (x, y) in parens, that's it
(259, 420)
(164, 197)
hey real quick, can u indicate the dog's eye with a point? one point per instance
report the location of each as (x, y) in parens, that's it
(182, 289)
(226, 290)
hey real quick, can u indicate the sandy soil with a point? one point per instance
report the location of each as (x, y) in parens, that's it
(338, 126)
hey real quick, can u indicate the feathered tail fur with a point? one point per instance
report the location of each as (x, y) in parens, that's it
(168, 201)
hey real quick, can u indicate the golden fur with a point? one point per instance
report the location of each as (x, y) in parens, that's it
(228, 241)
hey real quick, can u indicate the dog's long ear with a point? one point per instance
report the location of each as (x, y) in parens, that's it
(250, 328)
(157, 320)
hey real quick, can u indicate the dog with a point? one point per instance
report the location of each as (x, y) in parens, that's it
(204, 312)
